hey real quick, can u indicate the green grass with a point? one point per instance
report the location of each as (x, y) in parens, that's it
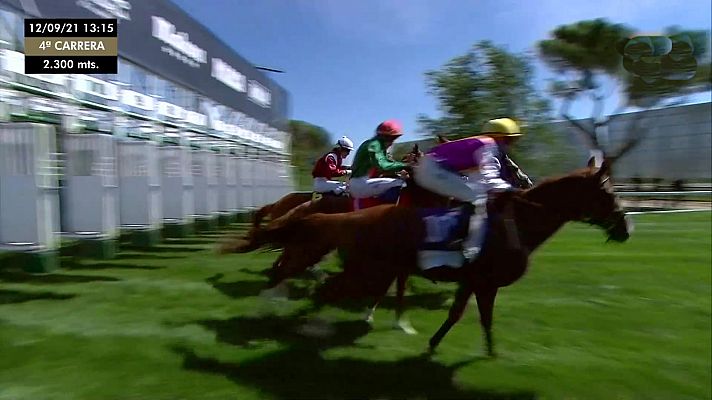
(589, 321)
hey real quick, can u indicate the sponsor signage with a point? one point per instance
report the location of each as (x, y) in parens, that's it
(160, 37)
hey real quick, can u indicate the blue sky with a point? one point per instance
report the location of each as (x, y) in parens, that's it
(353, 63)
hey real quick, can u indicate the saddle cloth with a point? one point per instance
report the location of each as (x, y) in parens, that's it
(390, 196)
(445, 232)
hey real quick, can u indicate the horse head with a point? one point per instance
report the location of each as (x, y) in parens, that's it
(587, 196)
(601, 204)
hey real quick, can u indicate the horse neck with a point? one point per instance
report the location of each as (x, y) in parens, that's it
(540, 213)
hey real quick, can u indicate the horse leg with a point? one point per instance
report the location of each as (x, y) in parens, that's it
(464, 291)
(278, 261)
(402, 323)
(372, 310)
(485, 304)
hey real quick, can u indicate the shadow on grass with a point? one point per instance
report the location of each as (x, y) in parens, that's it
(189, 242)
(162, 249)
(145, 256)
(23, 277)
(248, 331)
(251, 288)
(300, 372)
(16, 296)
(78, 265)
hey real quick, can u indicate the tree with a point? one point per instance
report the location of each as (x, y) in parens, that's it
(652, 71)
(309, 142)
(489, 82)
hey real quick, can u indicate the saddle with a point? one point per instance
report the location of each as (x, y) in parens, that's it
(447, 230)
(317, 195)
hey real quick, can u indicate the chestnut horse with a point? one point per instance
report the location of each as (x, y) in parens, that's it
(280, 207)
(414, 196)
(381, 244)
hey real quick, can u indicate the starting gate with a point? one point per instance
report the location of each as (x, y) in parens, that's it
(139, 185)
(177, 188)
(205, 181)
(90, 186)
(29, 200)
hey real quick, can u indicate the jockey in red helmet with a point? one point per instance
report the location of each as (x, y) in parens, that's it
(329, 166)
(372, 159)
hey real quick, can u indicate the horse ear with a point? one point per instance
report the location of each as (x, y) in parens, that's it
(604, 172)
(591, 162)
(416, 149)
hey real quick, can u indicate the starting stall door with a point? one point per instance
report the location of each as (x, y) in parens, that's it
(273, 182)
(177, 183)
(91, 187)
(233, 188)
(227, 182)
(243, 183)
(205, 181)
(29, 198)
(262, 177)
(282, 179)
(139, 185)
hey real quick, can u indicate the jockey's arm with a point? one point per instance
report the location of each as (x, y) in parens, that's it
(380, 160)
(522, 179)
(491, 170)
(335, 169)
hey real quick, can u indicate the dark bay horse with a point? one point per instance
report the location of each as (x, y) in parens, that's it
(381, 244)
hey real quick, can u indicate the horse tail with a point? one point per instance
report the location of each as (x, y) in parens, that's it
(261, 214)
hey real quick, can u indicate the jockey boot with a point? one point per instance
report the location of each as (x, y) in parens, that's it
(475, 233)
(457, 244)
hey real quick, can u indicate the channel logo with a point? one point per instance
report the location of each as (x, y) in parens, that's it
(655, 58)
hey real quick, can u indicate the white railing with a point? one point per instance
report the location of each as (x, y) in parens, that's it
(668, 205)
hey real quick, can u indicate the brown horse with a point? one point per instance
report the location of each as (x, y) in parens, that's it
(413, 195)
(381, 244)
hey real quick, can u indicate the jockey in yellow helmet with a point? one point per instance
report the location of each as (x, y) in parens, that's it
(468, 169)
(506, 132)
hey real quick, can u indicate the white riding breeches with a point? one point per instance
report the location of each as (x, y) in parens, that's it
(430, 175)
(363, 187)
(323, 185)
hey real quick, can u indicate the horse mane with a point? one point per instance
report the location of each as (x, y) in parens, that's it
(547, 185)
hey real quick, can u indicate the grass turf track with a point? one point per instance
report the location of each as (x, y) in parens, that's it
(589, 321)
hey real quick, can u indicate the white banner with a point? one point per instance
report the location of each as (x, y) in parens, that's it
(138, 100)
(170, 110)
(96, 87)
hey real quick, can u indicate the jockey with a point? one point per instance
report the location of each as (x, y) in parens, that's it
(372, 159)
(470, 168)
(329, 166)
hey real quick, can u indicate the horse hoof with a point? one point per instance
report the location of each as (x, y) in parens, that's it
(406, 327)
(369, 319)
